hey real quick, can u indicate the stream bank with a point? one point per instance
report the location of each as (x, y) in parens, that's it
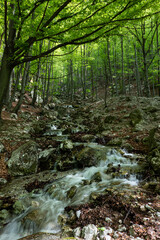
(70, 137)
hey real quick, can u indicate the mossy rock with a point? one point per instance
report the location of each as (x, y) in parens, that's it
(135, 117)
(71, 192)
(24, 160)
(96, 177)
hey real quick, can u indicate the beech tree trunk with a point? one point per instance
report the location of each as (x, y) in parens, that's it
(5, 74)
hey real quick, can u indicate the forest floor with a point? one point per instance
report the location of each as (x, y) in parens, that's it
(142, 207)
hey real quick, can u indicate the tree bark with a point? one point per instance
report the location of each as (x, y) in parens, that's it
(5, 74)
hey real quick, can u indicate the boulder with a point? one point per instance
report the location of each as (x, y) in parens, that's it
(24, 160)
(4, 216)
(88, 157)
(96, 177)
(154, 160)
(19, 207)
(135, 117)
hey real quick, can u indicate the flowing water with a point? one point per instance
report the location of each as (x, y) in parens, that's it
(46, 206)
(118, 171)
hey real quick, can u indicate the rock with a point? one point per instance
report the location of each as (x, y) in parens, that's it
(66, 145)
(88, 138)
(89, 232)
(1, 148)
(78, 213)
(25, 115)
(38, 128)
(88, 157)
(46, 159)
(151, 109)
(51, 114)
(72, 217)
(108, 220)
(24, 160)
(122, 228)
(104, 234)
(77, 232)
(158, 214)
(3, 181)
(14, 116)
(66, 163)
(153, 187)
(142, 208)
(62, 219)
(19, 207)
(4, 216)
(40, 236)
(94, 196)
(67, 232)
(154, 160)
(115, 142)
(71, 192)
(135, 117)
(96, 177)
(35, 218)
(51, 105)
(150, 140)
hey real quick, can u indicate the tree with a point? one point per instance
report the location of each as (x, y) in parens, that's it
(62, 22)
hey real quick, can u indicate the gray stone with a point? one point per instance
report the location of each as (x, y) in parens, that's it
(14, 116)
(44, 155)
(3, 181)
(24, 160)
(66, 145)
(77, 232)
(89, 232)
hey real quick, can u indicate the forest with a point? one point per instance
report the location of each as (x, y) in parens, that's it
(79, 119)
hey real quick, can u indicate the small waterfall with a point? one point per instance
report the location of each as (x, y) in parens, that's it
(117, 171)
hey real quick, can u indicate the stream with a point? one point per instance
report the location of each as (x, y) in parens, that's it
(119, 170)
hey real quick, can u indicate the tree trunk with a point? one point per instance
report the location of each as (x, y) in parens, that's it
(122, 55)
(158, 62)
(19, 71)
(5, 74)
(23, 84)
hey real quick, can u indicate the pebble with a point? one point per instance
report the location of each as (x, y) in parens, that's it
(108, 220)
(78, 213)
(158, 214)
(122, 228)
(143, 208)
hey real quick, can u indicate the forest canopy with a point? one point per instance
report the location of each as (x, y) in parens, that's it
(31, 30)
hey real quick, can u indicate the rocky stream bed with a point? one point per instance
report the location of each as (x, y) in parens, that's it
(81, 171)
